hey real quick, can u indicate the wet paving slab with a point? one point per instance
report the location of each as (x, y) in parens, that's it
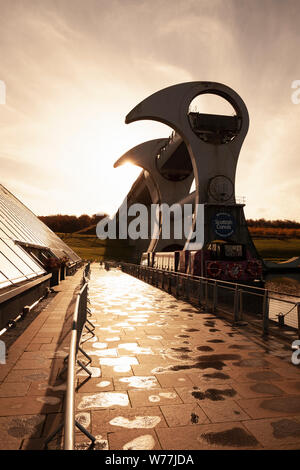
(168, 375)
(31, 395)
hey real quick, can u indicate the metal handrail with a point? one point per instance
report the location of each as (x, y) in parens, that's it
(78, 323)
(269, 302)
(69, 435)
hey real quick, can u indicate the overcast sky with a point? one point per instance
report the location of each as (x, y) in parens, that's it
(73, 69)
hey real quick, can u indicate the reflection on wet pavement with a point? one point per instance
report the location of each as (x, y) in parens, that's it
(140, 443)
(139, 422)
(154, 352)
(103, 400)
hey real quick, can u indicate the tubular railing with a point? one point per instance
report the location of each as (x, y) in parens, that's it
(247, 304)
(79, 321)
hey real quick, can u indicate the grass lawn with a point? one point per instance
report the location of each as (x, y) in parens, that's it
(277, 250)
(90, 247)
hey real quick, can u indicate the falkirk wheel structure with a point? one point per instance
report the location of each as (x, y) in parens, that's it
(203, 148)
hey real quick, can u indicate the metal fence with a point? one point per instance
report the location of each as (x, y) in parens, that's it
(79, 323)
(244, 304)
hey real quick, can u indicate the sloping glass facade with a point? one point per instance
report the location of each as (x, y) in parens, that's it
(20, 233)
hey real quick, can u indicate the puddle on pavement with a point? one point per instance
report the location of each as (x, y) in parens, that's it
(103, 383)
(54, 388)
(84, 419)
(103, 400)
(135, 348)
(194, 418)
(103, 353)
(109, 329)
(204, 348)
(214, 394)
(138, 319)
(252, 363)
(156, 398)
(139, 422)
(49, 400)
(36, 377)
(218, 365)
(182, 349)
(219, 357)
(217, 375)
(286, 428)
(120, 364)
(140, 382)
(237, 346)
(96, 372)
(98, 345)
(263, 375)
(25, 426)
(266, 388)
(145, 442)
(284, 404)
(235, 437)
(216, 341)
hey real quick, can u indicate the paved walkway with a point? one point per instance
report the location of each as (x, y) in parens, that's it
(31, 394)
(168, 376)
(165, 376)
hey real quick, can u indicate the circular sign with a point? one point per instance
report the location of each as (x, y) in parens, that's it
(220, 188)
(223, 224)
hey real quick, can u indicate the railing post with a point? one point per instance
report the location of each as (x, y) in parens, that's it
(200, 293)
(240, 304)
(206, 294)
(187, 288)
(177, 286)
(236, 304)
(215, 293)
(266, 314)
(170, 277)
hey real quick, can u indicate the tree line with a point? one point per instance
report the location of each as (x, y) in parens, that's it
(263, 223)
(72, 223)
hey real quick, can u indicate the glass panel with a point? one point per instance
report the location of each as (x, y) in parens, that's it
(10, 254)
(34, 267)
(10, 271)
(4, 282)
(16, 224)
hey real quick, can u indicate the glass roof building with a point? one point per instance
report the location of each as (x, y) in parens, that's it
(26, 243)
